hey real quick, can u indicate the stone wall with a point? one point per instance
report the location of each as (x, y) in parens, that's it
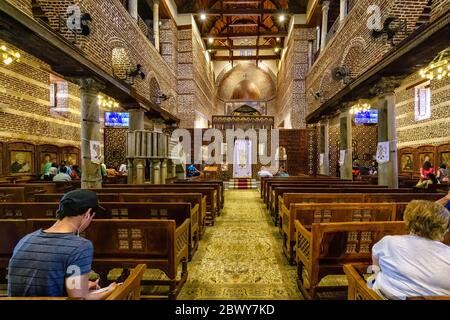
(354, 47)
(432, 131)
(291, 99)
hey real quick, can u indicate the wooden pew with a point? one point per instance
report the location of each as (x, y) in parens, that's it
(12, 194)
(325, 248)
(358, 289)
(131, 288)
(177, 211)
(32, 189)
(12, 230)
(309, 213)
(158, 244)
(219, 183)
(197, 200)
(209, 192)
(55, 197)
(288, 199)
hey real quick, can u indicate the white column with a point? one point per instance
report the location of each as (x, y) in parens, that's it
(133, 9)
(325, 9)
(156, 23)
(325, 147)
(346, 144)
(156, 177)
(163, 171)
(90, 131)
(342, 12)
(385, 90)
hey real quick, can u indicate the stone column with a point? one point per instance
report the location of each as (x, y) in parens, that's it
(324, 147)
(342, 11)
(163, 171)
(139, 165)
(325, 9)
(385, 91)
(133, 9)
(137, 174)
(174, 169)
(345, 120)
(90, 131)
(156, 175)
(156, 23)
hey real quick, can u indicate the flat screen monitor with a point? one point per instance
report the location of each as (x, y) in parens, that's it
(117, 119)
(366, 117)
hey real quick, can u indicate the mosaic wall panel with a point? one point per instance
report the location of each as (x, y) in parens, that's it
(115, 147)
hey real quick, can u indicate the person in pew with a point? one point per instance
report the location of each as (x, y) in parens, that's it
(442, 173)
(56, 262)
(426, 169)
(62, 176)
(192, 171)
(76, 172)
(281, 172)
(416, 264)
(430, 180)
(53, 171)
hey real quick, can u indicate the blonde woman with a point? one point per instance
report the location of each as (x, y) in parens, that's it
(416, 264)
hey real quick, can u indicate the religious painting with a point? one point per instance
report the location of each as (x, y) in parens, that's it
(70, 159)
(21, 162)
(407, 162)
(426, 156)
(46, 160)
(445, 159)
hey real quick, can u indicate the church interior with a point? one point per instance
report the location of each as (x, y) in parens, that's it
(230, 150)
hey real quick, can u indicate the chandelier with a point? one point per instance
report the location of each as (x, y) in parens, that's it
(9, 56)
(438, 68)
(106, 102)
(360, 107)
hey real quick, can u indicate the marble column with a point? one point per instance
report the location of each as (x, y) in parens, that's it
(131, 172)
(323, 37)
(139, 165)
(137, 117)
(137, 174)
(342, 11)
(324, 147)
(133, 9)
(90, 131)
(174, 169)
(163, 171)
(156, 179)
(385, 91)
(156, 23)
(345, 120)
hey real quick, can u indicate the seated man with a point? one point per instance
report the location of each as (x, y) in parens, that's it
(281, 173)
(264, 172)
(62, 176)
(192, 171)
(417, 264)
(56, 262)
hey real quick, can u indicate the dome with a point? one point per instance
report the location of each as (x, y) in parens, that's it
(246, 90)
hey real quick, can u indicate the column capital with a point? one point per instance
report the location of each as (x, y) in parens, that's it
(325, 5)
(89, 84)
(386, 85)
(156, 2)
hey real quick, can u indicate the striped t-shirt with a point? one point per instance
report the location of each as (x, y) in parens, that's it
(42, 261)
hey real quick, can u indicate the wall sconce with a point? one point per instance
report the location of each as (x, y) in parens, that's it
(9, 56)
(361, 106)
(107, 102)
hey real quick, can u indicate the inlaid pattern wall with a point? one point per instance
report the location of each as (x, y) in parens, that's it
(333, 140)
(432, 131)
(115, 147)
(365, 141)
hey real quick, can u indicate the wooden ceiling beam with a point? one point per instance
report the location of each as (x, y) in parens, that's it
(238, 12)
(242, 47)
(240, 35)
(235, 58)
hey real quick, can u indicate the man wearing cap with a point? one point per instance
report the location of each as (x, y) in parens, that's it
(56, 262)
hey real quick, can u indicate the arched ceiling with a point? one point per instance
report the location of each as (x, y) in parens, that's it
(250, 25)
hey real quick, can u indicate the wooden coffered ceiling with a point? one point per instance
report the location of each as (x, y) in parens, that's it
(243, 29)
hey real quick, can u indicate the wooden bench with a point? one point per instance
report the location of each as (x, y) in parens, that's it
(309, 213)
(209, 192)
(159, 244)
(359, 290)
(55, 197)
(195, 199)
(12, 194)
(131, 288)
(326, 247)
(217, 183)
(177, 211)
(33, 189)
(287, 199)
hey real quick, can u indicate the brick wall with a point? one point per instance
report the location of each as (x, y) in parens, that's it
(354, 47)
(433, 131)
(291, 98)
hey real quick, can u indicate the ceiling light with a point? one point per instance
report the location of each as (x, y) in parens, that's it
(277, 49)
(9, 56)
(203, 16)
(282, 18)
(210, 40)
(438, 68)
(278, 39)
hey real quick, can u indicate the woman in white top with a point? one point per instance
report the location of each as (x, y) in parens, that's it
(417, 264)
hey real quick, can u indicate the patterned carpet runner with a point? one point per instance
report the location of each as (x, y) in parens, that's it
(242, 184)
